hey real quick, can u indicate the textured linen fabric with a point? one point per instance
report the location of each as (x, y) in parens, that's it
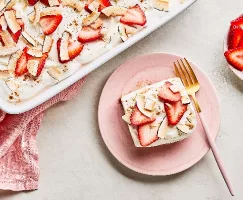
(19, 168)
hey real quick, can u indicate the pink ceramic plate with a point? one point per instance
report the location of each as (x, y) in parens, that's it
(161, 160)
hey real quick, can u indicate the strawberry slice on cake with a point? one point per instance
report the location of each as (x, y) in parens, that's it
(88, 34)
(49, 23)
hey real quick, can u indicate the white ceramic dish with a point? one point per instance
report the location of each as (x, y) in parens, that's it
(235, 71)
(17, 108)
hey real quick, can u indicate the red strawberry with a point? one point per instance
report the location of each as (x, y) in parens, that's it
(86, 7)
(49, 23)
(147, 134)
(235, 57)
(74, 49)
(241, 43)
(42, 61)
(45, 2)
(175, 112)
(88, 34)
(234, 37)
(16, 35)
(238, 22)
(137, 118)
(21, 65)
(32, 2)
(167, 95)
(134, 16)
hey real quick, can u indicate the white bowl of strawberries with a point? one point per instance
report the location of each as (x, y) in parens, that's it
(233, 46)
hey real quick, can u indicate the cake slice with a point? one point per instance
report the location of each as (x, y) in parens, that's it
(159, 114)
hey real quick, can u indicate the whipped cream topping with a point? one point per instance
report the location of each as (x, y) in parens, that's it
(71, 22)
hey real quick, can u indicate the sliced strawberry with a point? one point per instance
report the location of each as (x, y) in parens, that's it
(45, 2)
(88, 34)
(42, 61)
(49, 23)
(16, 35)
(174, 112)
(138, 118)
(74, 49)
(32, 2)
(235, 57)
(147, 134)
(86, 7)
(21, 65)
(241, 43)
(234, 37)
(166, 94)
(238, 22)
(134, 16)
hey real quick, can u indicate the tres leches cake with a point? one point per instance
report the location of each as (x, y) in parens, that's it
(159, 114)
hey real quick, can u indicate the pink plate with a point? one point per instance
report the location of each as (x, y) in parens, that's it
(161, 160)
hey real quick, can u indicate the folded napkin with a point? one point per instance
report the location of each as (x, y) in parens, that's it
(19, 168)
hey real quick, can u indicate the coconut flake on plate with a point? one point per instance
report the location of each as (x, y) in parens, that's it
(140, 100)
(13, 60)
(122, 32)
(51, 11)
(114, 11)
(31, 16)
(32, 66)
(4, 51)
(28, 38)
(90, 18)
(75, 4)
(163, 128)
(11, 21)
(35, 52)
(176, 88)
(4, 74)
(7, 39)
(64, 46)
(48, 41)
(96, 24)
(185, 100)
(53, 2)
(130, 30)
(3, 23)
(161, 5)
(12, 85)
(126, 118)
(94, 6)
(55, 73)
(37, 8)
(4, 60)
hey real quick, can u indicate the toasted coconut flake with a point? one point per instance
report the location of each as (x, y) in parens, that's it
(53, 2)
(94, 6)
(51, 11)
(3, 23)
(40, 39)
(12, 85)
(97, 24)
(31, 16)
(130, 30)
(7, 39)
(55, 73)
(185, 100)
(13, 60)
(4, 51)
(11, 21)
(114, 11)
(91, 18)
(3, 5)
(37, 13)
(64, 46)
(47, 44)
(28, 38)
(35, 52)
(126, 118)
(4, 74)
(32, 66)
(75, 4)
(162, 5)
(4, 60)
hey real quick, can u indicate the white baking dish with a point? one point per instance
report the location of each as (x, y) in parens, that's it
(16, 108)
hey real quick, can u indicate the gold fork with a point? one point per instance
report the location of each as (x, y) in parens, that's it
(185, 72)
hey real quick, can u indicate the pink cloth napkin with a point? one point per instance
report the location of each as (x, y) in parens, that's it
(19, 168)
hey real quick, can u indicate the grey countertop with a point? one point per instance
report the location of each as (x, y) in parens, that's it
(74, 161)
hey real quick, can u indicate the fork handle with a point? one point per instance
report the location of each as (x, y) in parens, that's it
(197, 107)
(216, 153)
